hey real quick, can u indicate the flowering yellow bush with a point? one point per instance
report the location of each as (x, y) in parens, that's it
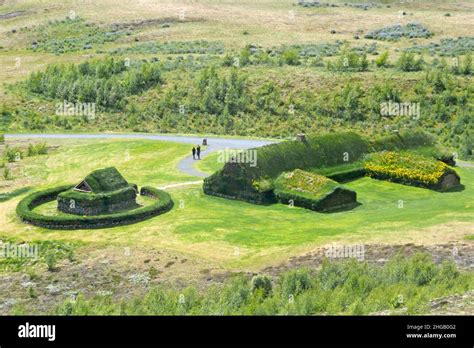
(406, 168)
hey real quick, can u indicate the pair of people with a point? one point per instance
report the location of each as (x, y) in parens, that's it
(196, 151)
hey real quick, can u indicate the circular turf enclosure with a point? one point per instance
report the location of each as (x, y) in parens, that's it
(162, 203)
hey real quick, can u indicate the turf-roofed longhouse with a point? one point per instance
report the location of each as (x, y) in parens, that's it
(290, 170)
(255, 184)
(103, 191)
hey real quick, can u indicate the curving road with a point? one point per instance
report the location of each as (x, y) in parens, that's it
(186, 165)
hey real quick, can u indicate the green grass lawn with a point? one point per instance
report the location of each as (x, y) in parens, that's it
(235, 234)
(210, 163)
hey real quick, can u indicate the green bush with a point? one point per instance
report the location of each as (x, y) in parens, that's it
(262, 283)
(408, 62)
(294, 282)
(349, 61)
(382, 61)
(25, 211)
(290, 57)
(13, 154)
(37, 149)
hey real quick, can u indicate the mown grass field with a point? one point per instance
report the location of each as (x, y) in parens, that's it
(234, 234)
(267, 95)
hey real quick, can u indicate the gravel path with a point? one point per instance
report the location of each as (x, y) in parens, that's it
(186, 165)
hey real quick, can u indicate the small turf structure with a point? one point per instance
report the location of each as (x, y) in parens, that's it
(103, 191)
(312, 191)
(103, 199)
(411, 169)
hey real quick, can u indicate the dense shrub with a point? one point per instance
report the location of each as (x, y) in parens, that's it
(349, 61)
(408, 62)
(104, 82)
(37, 149)
(382, 61)
(262, 283)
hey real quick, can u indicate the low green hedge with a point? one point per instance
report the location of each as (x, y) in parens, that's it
(25, 212)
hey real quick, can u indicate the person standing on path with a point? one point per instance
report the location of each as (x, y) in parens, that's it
(198, 150)
(194, 152)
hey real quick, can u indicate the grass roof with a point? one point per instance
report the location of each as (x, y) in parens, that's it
(305, 184)
(106, 180)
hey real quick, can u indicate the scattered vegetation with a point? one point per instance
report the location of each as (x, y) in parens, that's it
(398, 31)
(16, 255)
(446, 47)
(343, 287)
(71, 35)
(174, 47)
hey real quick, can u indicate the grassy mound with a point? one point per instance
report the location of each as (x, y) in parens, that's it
(409, 169)
(311, 191)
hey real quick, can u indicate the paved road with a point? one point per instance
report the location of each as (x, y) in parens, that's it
(464, 164)
(186, 165)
